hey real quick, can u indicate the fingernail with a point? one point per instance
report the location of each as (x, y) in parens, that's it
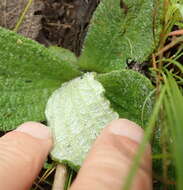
(35, 129)
(126, 128)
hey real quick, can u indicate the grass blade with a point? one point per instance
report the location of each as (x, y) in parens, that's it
(145, 141)
(23, 15)
(173, 104)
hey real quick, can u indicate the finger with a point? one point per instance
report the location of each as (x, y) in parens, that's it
(22, 155)
(108, 163)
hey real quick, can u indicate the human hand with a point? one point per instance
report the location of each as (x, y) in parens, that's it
(23, 152)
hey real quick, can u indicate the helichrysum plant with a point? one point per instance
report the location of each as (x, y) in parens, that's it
(81, 95)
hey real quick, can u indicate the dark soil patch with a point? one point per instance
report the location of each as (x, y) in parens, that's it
(65, 23)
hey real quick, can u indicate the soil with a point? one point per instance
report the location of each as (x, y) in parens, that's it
(65, 23)
(50, 22)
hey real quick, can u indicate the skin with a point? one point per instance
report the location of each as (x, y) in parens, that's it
(23, 152)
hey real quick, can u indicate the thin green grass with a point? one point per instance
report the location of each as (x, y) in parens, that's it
(145, 141)
(20, 21)
(171, 99)
(173, 104)
(69, 179)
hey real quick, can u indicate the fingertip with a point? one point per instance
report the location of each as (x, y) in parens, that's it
(110, 158)
(126, 128)
(22, 154)
(130, 130)
(35, 129)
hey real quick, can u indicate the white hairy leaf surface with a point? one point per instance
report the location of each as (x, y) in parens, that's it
(76, 113)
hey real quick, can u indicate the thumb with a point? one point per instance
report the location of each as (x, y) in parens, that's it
(22, 155)
(109, 161)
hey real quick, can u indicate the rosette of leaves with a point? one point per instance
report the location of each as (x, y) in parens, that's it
(81, 103)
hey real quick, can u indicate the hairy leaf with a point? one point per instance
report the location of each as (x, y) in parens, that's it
(120, 31)
(76, 113)
(64, 54)
(130, 94)
(29, 73)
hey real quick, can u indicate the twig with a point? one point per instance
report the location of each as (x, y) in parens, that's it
(43, 178)
(158, 78)
(168, 182)
(170, 45)
(60, 177)
(4, 13)
(176, 33)
(23, 15)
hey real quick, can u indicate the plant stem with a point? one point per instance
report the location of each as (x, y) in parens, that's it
(170, 45)
(20, 20)
(175, 33)
(60, 177)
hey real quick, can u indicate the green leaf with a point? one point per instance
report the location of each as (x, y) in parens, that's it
(130, 94)
(29, 73)
(119, 34)
(64, 54)
(76, 113)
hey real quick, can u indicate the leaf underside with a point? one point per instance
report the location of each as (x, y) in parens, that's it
(29, 73)
(76, 113)
(118, 34)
